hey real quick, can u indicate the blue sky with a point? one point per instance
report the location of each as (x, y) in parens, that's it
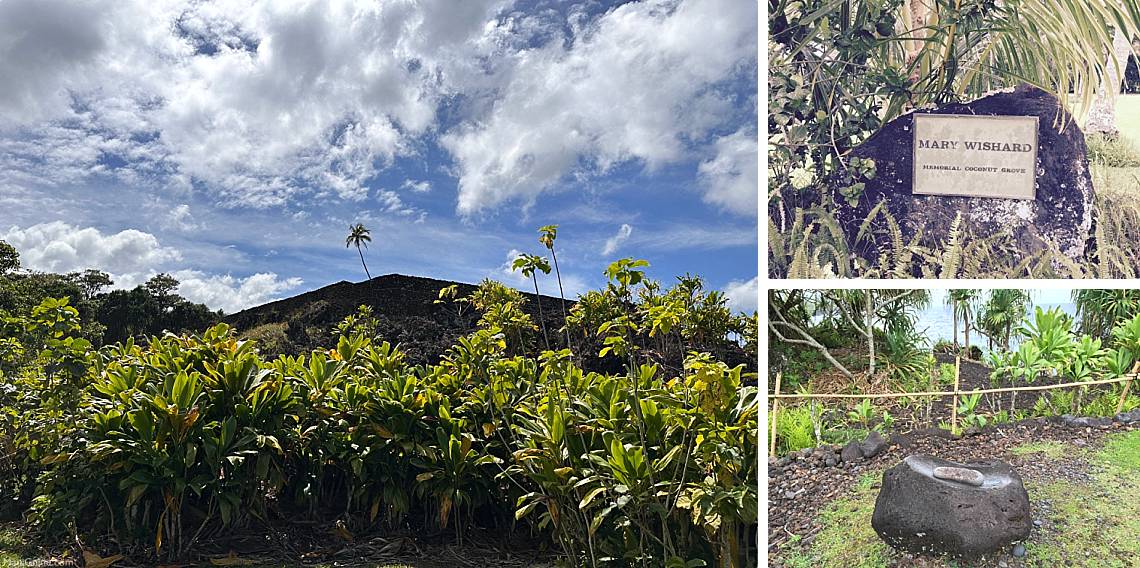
(232, 143)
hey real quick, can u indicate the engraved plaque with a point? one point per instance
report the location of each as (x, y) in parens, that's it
(975, 156)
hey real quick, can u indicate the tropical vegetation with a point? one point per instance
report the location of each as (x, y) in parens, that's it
(157, 443)
(834, 341)
(841, 69)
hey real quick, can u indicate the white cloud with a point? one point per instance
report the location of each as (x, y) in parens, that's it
(417, 186)
(261, 103)
(615, 241)
(676, 237)
(638, 83)
(731, 177)
(131, 257)
(507, 273)
(60, 247)
(743, 296)
(258, 100)
(181, 218)
(230, 293)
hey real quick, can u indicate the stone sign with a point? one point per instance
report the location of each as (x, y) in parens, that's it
(975, 156)
(1060, 217)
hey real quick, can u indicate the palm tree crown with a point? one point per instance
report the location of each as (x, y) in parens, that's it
(359, 235)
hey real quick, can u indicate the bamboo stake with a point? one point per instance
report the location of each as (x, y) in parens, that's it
(954, 407)
(1128, 385)
(775, 408)
(1122, 379)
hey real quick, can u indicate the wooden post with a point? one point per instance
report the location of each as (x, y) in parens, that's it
(1128, 385)
(954, 407)
(775, 408)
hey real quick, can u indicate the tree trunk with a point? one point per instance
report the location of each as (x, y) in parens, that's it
(868, 324)
(954, 311)
(366, 273)
(966, 330)
(1102, 115)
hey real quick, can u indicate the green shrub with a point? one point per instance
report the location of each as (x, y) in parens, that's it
(166, 444)
(794, 429)
(1112, 151)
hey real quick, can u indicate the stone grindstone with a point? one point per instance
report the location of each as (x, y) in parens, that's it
(1061, 217)
(919, 510)
(960, 474)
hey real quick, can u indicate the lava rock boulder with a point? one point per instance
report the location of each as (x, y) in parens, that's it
(873, 445)
(957, 512)
(1061, 218)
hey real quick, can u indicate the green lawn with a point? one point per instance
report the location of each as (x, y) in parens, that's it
(1086, 525)
(1128, 117)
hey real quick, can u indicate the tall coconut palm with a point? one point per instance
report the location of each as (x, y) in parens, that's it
(358, 235)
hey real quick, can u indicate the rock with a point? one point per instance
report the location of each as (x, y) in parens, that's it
(851, 452)
(873, 445)
(1037, 523)
(830, 461)
(1019, 550)
(806, 452)
(960, 475)
(1123, 418)
(917, 512)
(1062, 217)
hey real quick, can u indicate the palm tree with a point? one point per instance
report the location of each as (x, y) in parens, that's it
(956, 48)
(1102, 115)
(961, 302)
(1098, 311)
(358, 235)
(529, 263)
(547, 234)
(1003, 310)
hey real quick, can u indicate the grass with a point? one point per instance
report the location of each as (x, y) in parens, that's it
(1051, 449)
(1086, 525)
(1115, 169)
(847, 538)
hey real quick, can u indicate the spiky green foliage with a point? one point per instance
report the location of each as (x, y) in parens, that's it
(164, 444)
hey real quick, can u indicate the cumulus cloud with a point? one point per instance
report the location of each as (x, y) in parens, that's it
(258, 101)
(743, 295)
(266, 104)
(60, 247)
(230, 293)
(633, 84)
(731, 177)
(615, 241)
(131, 257)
